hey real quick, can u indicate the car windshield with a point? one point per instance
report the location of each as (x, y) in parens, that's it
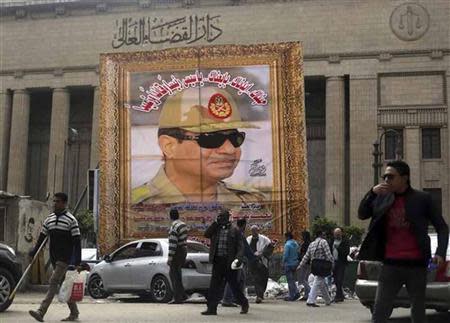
(194, 247)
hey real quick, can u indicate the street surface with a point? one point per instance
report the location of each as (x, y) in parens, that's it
(128, 309)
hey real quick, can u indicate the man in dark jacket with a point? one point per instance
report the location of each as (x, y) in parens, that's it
(226, 247)
(65, 247)
(228, 297)
(339, 249)
(398, 236)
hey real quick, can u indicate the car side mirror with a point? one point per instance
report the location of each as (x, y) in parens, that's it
(107, 258)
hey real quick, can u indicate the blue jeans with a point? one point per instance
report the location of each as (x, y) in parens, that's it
(290, 276)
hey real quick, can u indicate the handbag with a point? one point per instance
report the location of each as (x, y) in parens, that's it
(320, 267)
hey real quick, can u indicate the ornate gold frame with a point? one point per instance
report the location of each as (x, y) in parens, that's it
(288, 119)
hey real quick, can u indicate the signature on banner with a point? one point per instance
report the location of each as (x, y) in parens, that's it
(257, 168)
(147, 30)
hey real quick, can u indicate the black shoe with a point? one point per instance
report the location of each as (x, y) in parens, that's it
(303, 299)
(312, 305)
(70, 318)
(229, 305)
(36, 315)
(244, 308)
(209, 312)
(296, 297)
(338, 300)
(258, 300)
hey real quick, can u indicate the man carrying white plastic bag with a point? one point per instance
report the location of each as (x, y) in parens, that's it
(65, 249)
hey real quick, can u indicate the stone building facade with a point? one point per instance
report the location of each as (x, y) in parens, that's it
(369, 66)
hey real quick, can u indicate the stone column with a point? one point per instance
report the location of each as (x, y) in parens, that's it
(335, 141)
(413, 154)
(363, 133)
(95, 128)
(5, 126)
(17, 165)
(59, 129)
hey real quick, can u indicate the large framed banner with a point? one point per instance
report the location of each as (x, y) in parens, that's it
(201, 129)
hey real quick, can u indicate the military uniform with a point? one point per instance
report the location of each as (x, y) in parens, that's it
(161, 190)
(204, 110)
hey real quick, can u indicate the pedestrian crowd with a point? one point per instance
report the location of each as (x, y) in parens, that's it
(397, 236)
(234, 256)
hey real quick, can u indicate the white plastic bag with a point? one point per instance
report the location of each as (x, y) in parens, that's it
(78, 287)
(72, 288)
(65, 291)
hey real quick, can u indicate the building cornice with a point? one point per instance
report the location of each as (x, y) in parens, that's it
(379, 55)
(31, 8)
(49, 70)
(59, 71)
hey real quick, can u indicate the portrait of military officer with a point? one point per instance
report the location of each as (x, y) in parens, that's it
(200, 134)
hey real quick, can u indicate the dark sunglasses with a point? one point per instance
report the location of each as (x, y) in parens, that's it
(388, 176)
(215, 139)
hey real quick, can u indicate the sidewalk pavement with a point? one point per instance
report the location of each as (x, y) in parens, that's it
(36, 293)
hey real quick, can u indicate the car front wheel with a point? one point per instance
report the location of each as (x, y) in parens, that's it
(160, 289)
(7, 284)
(96, 289)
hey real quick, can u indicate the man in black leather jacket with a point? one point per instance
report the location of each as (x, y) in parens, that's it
(398, 236)
(225, 248)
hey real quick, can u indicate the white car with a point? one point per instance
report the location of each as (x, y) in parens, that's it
(140, 267)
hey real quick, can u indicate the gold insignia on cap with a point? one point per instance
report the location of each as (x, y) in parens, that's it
(219, 106)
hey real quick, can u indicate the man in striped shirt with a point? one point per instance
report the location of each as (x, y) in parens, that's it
(63, 232)
(177, 256)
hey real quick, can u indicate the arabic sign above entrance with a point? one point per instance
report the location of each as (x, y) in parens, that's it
(152, 30)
